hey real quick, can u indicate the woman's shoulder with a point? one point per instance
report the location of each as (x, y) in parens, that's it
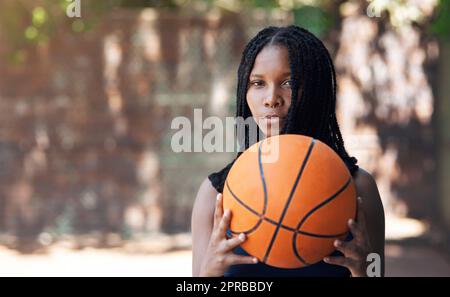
(206, 188)
(367, 189)
(204, 203)
(364, 181)
(206, 194)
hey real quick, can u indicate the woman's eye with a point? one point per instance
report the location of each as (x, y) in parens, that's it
(256, 83)
(288, 83)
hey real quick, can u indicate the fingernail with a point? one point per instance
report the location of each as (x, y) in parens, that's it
(242, 236)
(226, 212)
(351, 222)
(359, 199)
(337, 243)
(326, 259)
(218, 196)
(255, 260)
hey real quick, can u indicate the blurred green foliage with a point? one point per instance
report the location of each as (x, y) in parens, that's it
(441, 24)
(26, 22)
(29, 22)
(316, 19)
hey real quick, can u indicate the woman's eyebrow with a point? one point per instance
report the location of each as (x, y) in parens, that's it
(260, 75)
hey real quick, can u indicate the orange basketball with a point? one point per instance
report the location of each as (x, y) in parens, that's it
(292, 206)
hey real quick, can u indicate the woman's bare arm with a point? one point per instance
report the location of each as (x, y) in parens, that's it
(202, 223)
(367, 230)
(374, 212)
(212, 249)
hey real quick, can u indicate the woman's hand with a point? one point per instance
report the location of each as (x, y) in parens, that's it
(219, 254)
(355, 251)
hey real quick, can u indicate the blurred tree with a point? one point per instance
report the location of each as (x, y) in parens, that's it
(33, 29)
(26, 21)
(441, 23)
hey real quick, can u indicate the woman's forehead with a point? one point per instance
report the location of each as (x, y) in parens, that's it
(274, 58)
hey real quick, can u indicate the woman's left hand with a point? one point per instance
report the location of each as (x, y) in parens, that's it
(355, 251)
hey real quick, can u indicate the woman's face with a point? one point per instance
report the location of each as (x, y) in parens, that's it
(269, 89)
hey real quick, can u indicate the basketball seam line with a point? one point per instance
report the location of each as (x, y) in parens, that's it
(269, 220)
(279, 224)
(263, 179)
(326, 201)
(261, 171)
(280, 221)
(320, 205)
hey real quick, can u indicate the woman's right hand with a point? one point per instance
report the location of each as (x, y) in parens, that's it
(219, 254)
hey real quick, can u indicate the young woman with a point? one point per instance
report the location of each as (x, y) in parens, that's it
(286, 75)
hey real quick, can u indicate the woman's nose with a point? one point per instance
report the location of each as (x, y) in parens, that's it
(273, 100)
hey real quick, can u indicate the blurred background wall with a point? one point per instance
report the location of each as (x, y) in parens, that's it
(86, 106)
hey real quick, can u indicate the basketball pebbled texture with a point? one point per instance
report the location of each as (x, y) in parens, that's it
(294, 208)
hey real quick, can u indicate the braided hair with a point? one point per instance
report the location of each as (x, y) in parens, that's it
(313, 105)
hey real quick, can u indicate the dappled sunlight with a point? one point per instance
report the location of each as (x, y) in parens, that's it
(89, 181)
(386, 105)
(61, 262)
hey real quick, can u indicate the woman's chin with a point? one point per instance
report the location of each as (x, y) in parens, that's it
(270, 127)
(270, 133)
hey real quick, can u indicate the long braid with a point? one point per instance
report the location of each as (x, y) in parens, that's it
(313, 102)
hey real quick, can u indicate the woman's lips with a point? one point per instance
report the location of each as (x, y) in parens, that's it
(273, 118)
(271, 121)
